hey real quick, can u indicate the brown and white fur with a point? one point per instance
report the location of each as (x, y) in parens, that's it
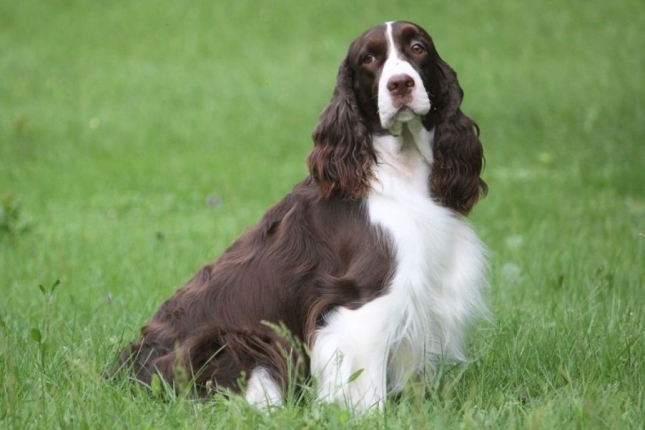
(369, 261)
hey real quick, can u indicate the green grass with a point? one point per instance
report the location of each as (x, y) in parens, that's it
(120, 120)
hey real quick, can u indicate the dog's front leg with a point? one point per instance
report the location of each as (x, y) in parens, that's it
(349, 357)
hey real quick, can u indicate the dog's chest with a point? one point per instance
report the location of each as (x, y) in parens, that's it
(420, 231)
(422, 234)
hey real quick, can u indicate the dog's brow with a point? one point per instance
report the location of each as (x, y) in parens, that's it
(410, 31)
(374, 43)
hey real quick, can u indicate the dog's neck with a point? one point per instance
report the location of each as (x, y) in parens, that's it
(406, 154)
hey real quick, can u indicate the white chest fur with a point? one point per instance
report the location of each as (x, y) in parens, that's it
(439, 270)
(433, 293)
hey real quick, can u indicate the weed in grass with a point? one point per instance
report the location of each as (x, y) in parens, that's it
(40, 335)
(12, 220)
(295, 354)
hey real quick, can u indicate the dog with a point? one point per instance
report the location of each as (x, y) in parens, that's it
(369, 261)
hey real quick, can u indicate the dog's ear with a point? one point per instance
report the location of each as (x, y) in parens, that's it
(342, 157)
(458, 153)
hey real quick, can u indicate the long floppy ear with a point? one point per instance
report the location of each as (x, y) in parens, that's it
(458, 153)
(341, 160)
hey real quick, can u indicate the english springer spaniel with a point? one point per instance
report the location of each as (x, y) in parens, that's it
(369, 261)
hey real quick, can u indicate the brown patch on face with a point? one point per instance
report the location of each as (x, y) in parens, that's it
(366, 56)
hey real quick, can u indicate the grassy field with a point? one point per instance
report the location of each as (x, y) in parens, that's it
(138, 139)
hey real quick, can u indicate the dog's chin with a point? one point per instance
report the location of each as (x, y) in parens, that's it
(405, 114)
(394, 123)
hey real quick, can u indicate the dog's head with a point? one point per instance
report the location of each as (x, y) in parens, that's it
(392, 74)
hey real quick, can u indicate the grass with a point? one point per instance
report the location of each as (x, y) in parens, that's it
(138, 139)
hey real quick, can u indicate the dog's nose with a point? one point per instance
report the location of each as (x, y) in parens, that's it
(400, 84)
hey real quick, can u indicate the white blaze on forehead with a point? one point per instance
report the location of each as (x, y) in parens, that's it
(392, 116)
(391, 48)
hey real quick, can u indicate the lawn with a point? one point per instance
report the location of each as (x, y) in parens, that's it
(138, 139)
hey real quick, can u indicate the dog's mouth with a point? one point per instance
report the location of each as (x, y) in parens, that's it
(404, 114)
(396, 111)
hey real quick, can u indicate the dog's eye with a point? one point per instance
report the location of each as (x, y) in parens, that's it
(368, 58)
(418, 49)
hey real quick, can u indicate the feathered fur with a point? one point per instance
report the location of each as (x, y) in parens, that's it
(369, 260)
